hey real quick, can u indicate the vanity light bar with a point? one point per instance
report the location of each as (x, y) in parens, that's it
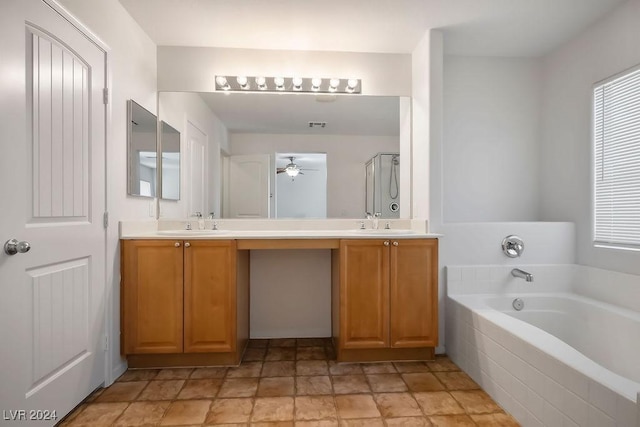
(287, 84)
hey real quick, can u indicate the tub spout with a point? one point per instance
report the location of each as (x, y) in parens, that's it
(516, 272)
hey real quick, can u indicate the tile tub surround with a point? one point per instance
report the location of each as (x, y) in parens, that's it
(552, 387)
(295, 382)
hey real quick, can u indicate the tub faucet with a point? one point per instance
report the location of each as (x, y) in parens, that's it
(516, 272)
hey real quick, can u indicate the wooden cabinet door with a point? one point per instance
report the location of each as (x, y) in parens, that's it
(414, 293)
(210, 296)
(364, 294)
(152, 296)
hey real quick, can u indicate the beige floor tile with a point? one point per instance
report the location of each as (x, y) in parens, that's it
(245, 370)
(161, 390)
(174, 374)
(258, 343)
(73, 414)
(350, 384)
(275, 387)
(386, 382)
(227, 411)
(336, 368)
(405, 367)
(476, 402)
(274, 424)
(495, 420)
(451, 421)
(313, 385)
(397, 405)
(310, 342)
(442, 363)
(281, 353)
(282, 342)
(139, 375)
(379, 368)
(278, 369)
(142, 414)
(356, 406)
(186, 412)
(200, 389)
(94, 395)
(422, 381)
(369, 422)
(254, 355)
(266, 409)
(312, 408)
(122, 392)
(408, 422)
(438, 403)
(98, 414)
(238, 387)
(215, 372)
(456, 381)
(312, 367)
(310, 353)
(318, 423)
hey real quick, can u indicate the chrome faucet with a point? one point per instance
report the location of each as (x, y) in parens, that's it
(376, 216)
(516, 272)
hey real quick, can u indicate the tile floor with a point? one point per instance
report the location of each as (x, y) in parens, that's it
(294, 382)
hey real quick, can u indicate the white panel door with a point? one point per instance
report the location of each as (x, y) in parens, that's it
(197, 170)
(249, 186)
(52, 187)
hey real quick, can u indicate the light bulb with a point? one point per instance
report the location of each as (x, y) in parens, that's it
(315, 84)
(297, 83)
(222, 82)
(351, 85)
(262, 83)
(333, 85)
(243, 82)
(279, 82)
(292, 172)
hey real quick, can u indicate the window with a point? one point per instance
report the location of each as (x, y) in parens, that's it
(617, 160)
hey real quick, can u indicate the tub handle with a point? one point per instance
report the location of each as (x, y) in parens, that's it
(512, 246)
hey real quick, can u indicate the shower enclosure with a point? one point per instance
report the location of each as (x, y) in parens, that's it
(382, 185)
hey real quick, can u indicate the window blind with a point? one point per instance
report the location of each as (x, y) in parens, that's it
(617, 160)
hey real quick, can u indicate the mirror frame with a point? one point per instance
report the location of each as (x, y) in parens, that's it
(131, 104)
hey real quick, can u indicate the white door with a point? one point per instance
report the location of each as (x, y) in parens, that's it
(249, 186)
(197, 170)
(52, 192)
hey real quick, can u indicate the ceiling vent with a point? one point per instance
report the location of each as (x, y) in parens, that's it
(317, 124)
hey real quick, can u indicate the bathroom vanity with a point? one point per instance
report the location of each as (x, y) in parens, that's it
(185, 294)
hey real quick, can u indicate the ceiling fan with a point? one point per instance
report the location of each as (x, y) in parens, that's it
(292, 169)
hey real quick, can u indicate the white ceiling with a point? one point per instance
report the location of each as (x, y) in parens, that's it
(291, 113)
(471, 27)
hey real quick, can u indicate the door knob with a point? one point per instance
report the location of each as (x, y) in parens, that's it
(176, 244)
(187, 245)
(395, 243)
(12, 247)
(386, 243)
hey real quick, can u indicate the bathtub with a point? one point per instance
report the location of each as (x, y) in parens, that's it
(565, 359)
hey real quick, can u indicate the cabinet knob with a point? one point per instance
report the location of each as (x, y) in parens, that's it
(395, 243)
(186, 245)
(386, 243)
(176, 244)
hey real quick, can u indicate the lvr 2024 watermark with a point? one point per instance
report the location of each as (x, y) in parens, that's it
(29, 415)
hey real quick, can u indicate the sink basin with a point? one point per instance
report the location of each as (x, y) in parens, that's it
(191, 232)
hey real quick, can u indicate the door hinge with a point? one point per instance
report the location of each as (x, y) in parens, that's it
(105, 344)
(105, 95)
(105, 220)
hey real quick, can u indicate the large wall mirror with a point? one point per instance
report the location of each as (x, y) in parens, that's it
(261, 132)
(142, 143)
(170, 161)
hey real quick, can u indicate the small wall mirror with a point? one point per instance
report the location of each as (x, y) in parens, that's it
(170, 162)
(142, 144)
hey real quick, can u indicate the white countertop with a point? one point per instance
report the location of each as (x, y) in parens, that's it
(274, 229)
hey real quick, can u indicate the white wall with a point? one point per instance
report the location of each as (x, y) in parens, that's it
(194, 68)
(176, 108)
(608, 47)
(491, 139)
(132, 62)
(346, 157)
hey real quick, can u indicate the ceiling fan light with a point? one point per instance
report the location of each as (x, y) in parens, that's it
(292, 171)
